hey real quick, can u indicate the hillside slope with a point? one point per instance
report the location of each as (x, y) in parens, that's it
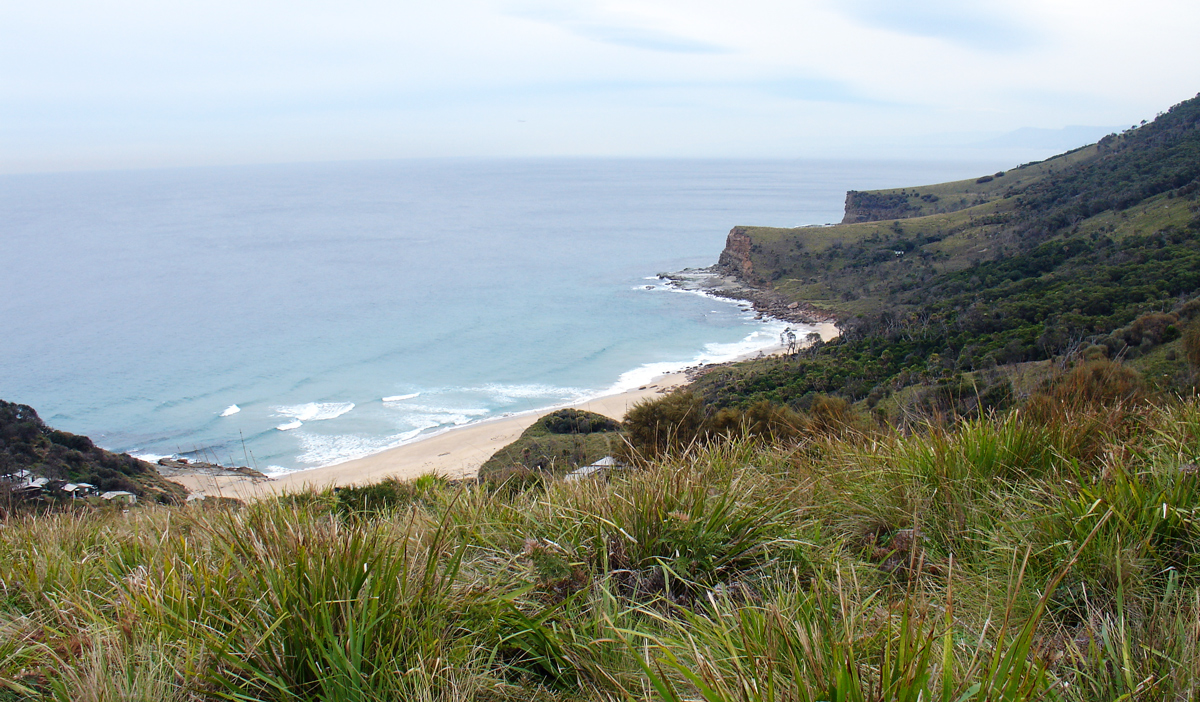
(1139, 183)
(26, 443)
(1045, 260)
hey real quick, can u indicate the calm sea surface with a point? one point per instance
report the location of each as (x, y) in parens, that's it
(322, 312)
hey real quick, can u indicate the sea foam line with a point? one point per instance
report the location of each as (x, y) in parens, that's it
(315, 411)
(326, 450)
(401, 398)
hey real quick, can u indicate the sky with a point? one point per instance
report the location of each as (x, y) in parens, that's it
(146, 83)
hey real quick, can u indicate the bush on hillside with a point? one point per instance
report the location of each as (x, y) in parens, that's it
(830, 414)
(762, 420)
(656, 427)
(573, 421)
(387, 495)
(1086, 387)
(1191, 343)
(680, 420)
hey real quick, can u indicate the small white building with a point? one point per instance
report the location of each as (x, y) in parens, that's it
(20, 476)
(120, 496)
(608, 463)
(79, 489)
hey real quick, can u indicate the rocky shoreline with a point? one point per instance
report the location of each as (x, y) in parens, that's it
(766, 303)
(170, 467)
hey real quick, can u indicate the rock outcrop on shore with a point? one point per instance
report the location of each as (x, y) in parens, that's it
(724, 280)
(172, 467)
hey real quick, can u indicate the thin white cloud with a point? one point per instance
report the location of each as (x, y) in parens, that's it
(610, 28)
(990, 26)
(141, 82)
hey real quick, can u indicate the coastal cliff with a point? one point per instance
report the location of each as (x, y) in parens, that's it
(895, 248)
(1094, 253)
(735, 258)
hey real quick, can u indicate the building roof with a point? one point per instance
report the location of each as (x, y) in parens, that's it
(117, 493)
(600, 466)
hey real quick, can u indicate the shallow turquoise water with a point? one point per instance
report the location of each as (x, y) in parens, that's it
(142, 307)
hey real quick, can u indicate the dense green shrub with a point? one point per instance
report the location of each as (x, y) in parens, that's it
(1191, 343)
(573, 421)
(658, 426)
(763, 420)
(387, 495)
(1094, 384)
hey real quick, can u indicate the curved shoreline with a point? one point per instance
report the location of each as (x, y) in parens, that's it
(458, 452)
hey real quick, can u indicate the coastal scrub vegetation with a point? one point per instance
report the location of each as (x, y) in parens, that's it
(1022, 555)
(555, 444)
(26, 443)
(959, 310)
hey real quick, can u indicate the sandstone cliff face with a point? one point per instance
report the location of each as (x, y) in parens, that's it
(735, 259)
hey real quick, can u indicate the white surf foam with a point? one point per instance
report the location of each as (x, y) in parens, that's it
(503, 393)
(445, 418)
(314, 411)
(423, 410)
(401, 398)
(231, 410)
(759, 340)
(290, 425)
(151, 457)
(327, 450)
(408, 435)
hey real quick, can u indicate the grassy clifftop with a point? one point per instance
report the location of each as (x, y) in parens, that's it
(1097, 248)
(1137, 184)
(901, 203)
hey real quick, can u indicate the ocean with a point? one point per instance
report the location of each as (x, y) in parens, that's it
(294, 316)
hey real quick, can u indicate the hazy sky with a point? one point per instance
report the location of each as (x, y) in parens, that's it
(127, 83)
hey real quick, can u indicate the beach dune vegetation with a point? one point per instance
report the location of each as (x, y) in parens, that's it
(555, 444)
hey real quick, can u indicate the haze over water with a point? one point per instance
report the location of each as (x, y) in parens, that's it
(321, 312)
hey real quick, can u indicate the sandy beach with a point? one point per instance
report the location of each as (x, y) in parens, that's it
(456, 453)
